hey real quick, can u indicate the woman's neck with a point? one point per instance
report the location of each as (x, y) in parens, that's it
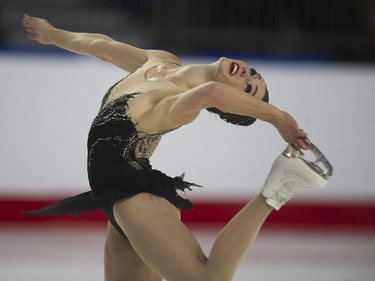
(191, 76)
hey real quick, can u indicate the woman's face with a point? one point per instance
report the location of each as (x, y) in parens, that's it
(237, 74)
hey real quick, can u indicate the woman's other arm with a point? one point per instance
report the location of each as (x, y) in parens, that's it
(125, 56)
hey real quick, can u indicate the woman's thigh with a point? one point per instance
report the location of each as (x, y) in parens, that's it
(160, 239)
(121, 262)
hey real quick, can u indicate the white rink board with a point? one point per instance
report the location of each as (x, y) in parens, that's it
(47, 103)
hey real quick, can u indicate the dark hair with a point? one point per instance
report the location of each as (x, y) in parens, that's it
(236, 119)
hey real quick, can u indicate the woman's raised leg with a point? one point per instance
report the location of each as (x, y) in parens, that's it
(235, 239)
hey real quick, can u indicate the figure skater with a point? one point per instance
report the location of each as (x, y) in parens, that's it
(145, 238)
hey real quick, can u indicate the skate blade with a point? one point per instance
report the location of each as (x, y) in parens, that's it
(320, 165)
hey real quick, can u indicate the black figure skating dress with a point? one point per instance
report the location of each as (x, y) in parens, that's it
(118, 166)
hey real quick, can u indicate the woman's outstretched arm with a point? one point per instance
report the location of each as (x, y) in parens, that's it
(185, 107)
(125, 56)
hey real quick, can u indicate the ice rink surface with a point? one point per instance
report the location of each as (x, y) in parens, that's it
(58, 252)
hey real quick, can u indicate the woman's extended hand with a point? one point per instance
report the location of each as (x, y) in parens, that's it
(37, 29)
(289, 130)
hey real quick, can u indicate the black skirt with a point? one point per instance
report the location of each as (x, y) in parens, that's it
(152, 181)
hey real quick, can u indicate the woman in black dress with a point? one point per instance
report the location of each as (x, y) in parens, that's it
(145, 238)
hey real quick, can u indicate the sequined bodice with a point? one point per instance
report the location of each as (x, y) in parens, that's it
(113, 127)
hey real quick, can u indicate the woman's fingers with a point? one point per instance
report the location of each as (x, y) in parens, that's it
(33, 37)
(301, 144)
(30, 30)
(36, 28)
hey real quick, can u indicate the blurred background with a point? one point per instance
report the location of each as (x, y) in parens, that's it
(318, 59)
(339, 30)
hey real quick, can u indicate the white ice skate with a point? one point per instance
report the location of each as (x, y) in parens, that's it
(291, 173)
